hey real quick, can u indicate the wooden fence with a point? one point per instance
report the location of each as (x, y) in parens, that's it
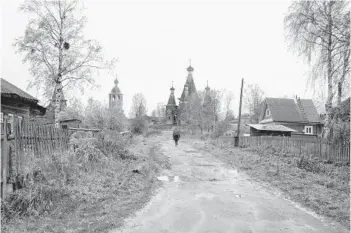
(334, 152)
(19, 138)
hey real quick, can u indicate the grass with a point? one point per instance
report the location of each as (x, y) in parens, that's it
(103, 189)
(324, 188)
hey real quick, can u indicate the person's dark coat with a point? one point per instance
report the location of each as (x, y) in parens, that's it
(176, 135)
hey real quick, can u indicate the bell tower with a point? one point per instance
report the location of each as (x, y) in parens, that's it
(116, 97)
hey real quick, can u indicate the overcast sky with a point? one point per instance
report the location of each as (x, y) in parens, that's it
(154, 41)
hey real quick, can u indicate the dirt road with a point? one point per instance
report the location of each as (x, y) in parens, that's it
(202, 194)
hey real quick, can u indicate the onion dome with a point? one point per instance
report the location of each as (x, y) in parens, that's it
(190, 68)
(115, 89)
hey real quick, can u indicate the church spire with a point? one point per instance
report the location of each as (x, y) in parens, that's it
(190, 69)
(171, 99)
(207, 87)
(116, 81)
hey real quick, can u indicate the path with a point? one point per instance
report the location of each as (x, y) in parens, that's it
(201, 194)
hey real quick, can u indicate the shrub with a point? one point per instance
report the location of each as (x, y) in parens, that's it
(45, 181)
(221, 128)
(50, 180)
(137, 126)
(309, 164)
(111, 143)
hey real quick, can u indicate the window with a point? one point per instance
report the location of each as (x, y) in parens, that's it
(268, 113)
(169, 118)
(10, 121)
(308, 130)
(20, 122)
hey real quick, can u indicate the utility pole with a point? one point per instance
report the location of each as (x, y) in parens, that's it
(236, 140)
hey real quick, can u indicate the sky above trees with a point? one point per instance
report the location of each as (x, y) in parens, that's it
(154, 41)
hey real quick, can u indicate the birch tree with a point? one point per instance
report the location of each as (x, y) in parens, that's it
(343, 57)
(54, 46)
(253, 97)
(314, 31)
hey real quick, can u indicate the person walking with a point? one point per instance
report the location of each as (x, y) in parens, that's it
(176, 135)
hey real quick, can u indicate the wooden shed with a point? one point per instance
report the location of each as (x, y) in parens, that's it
(270, 130)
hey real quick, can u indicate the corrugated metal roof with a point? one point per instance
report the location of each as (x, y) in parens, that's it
(10, 89)
(271, 127)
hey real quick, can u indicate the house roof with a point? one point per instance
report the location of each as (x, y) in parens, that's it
(287, 110)
(10, 90)
(283, 109)
(271, 127)
(310, 110)
(71, 120)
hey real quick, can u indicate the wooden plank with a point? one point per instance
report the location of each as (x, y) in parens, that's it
(42, 140)
(30, 136)
(21, 145)
(4, 160)
(40, 150)
(36, 139)
(16, 146)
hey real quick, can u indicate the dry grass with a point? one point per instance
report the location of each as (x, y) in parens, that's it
(101, 192)
(324, 188)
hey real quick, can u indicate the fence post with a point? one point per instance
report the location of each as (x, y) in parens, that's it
(320, 148)
(4, 161)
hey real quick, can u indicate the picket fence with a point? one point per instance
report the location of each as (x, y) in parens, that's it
(21, 138)
(335, 152)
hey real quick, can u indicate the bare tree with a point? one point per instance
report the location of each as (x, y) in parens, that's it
(153, 113)
(94, 114)
(253, 97)
(195, 111)
(55, 47)
(228, 100)
(161, 110)
(314, 31)
(138, 108)
(344, 57)
(75, 109)
(98, 115)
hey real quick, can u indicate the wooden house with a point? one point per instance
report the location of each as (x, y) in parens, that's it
(300, 115)
(18, 103)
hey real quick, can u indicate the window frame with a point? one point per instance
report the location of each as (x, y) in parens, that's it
(11, 120)
(20, 122)
(308, 129)
(268, 112)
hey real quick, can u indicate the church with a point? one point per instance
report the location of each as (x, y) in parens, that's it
(172, 110)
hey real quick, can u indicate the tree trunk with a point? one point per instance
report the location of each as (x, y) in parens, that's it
(344, 70)
(328, 105)
(338, 103)
(57, 104)
(58, 79)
